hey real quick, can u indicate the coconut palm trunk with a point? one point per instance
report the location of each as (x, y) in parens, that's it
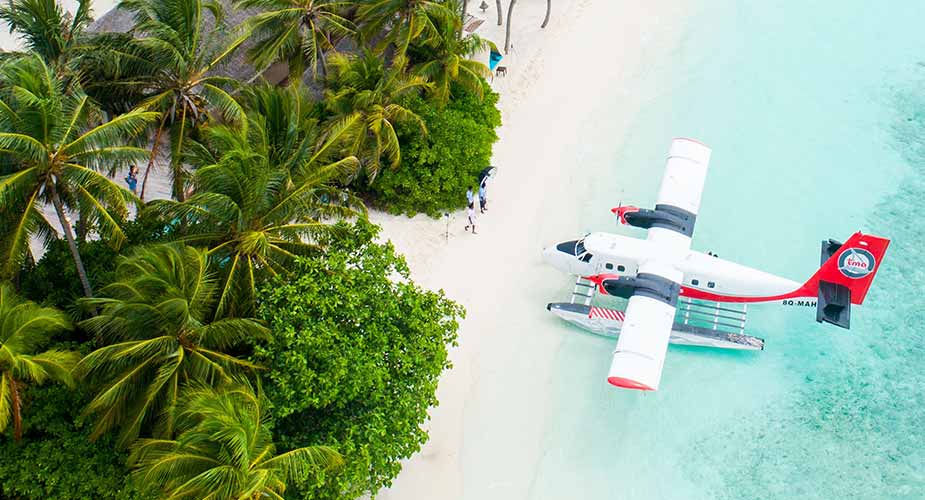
(462, 25)
(82, 228)
(548, 8)
(507, 35)
(498, 8)
(66, 227)
(15, 406)
(157, 142)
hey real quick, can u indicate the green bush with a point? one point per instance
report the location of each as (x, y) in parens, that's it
(437, 168)
(356, 354)
(53, 279)
(55, 460)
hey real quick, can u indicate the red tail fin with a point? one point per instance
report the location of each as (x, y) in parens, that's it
(853, 264)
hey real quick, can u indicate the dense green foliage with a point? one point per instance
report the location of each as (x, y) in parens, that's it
(56, 459)
(166, 353)
(47, 29)
(53, 279)
(155, 320)
(357, 351)
(299, 32)
(54, 137)
(224, 450)
(398, 24)
(260, 198)
(26, 328)
(367, 93)
(436, 169)
(446, 63)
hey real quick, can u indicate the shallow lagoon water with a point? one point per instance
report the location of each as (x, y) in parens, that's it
(816, 113)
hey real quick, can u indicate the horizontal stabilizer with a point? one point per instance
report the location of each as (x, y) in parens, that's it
(834, 304)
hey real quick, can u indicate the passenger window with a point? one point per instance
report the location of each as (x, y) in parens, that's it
(587, 258)
(621, 268)
(711, 284)
(695, 282)
(608, 265)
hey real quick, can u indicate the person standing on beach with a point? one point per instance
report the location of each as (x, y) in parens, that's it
(470, 212)
(132, 179)
(483, 194)
(469, 196)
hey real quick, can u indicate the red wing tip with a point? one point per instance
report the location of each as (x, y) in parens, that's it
(688, 139)
(628, 384)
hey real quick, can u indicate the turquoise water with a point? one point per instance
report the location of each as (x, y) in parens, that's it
(816, 113)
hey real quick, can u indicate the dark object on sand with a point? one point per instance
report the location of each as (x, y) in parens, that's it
(487, 172)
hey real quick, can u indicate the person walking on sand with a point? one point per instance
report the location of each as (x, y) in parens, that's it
(469, 196)
(470, 212)
(483, 195)
(132, 179)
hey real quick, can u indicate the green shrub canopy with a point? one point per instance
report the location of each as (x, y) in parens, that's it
(357, 352)
(436, 169)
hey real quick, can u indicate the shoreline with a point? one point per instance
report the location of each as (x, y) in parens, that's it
(563, 121)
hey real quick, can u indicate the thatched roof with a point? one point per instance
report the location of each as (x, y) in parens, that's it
(114, 21)
(235, 66)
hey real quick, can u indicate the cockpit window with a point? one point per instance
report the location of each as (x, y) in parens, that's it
(580, 247)
(567, 247)
(587, 258)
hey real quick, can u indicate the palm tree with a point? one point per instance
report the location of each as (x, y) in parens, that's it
(24, 328)
(58, 146)
(295, 140)
(225, 450)
(256, 208)
(47, 29)
(498, 9)
(155, 321)
(363, 91)
(402, 21)
(507, 31)
(462, 16)
(446, 60)
(299, 32)
(548, 10)
(183, 88)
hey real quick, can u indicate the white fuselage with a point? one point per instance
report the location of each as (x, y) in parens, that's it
(605, 253)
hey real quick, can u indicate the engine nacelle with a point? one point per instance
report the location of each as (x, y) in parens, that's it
(664, 216)
(644, 284)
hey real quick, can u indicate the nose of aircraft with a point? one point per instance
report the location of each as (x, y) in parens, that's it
(558, 258)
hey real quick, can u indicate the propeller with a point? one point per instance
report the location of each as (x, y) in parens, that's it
(620, 211)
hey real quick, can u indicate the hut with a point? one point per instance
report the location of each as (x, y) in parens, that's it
(235, 66)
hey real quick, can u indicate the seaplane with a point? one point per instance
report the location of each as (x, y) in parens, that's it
(682, 296)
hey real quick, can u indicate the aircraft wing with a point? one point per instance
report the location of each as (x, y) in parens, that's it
(685, 173)
(640, 353)
(643, 343)
(678, 199)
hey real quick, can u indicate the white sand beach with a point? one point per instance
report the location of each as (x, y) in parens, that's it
(570, 95)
